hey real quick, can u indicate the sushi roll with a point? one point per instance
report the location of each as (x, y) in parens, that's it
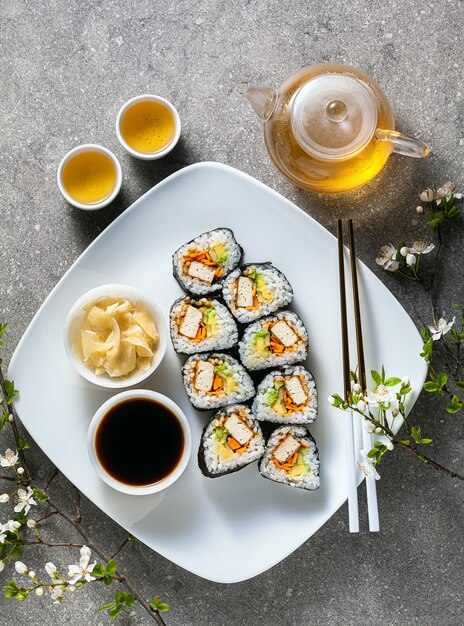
(201, 326)
(231, 440)
(291, 457)
(216, 380)
(287, 396)
(255, 290)
(201, 265)
(274, 341)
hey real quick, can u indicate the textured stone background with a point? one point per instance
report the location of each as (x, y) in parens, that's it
(66, 67)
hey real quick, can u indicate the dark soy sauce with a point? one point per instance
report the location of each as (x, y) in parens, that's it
(139, 442)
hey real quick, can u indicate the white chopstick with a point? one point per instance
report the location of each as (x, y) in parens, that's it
(371, 489)
(353, 512)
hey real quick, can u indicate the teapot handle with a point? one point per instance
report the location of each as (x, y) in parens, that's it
(404, 144)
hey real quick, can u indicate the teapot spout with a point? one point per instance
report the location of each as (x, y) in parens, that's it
(262, 99)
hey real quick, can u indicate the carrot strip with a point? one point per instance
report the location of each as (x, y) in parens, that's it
(217, 383)
(233, 443)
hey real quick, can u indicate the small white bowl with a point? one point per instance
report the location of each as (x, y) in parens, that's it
(155, 487)
(97, 205)
(74, 320)
(150, 156)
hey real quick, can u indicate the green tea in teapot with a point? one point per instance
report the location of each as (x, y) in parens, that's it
(329, 128)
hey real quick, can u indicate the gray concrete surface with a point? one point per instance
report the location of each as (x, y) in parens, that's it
(66, 67)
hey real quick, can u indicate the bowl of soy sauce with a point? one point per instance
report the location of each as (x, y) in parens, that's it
(139, 442)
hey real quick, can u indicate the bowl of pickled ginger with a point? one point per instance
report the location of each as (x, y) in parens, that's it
(115, 336)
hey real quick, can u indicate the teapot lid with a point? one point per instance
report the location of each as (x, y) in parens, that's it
(333, 116)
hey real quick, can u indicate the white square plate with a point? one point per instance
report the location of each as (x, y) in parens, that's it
(235, 527)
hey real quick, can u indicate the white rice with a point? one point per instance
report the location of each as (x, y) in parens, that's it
(204, 241)
(264, 412)
(309, 480)
(226, 335)
(203, 400)
(208, 446)
(255, 361)
(276, 284)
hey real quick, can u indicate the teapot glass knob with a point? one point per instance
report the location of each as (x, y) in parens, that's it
(402, 144)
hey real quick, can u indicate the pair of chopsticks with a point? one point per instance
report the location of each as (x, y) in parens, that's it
(351, 453)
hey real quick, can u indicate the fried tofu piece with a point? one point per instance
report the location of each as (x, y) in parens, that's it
(284, 333)
(286, 449)
(204, 376)
(295, 390)
(191, 322)
(202, 272)
(238, 429)
(244, 291)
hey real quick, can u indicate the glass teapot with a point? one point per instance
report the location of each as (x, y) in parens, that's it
(329, 128)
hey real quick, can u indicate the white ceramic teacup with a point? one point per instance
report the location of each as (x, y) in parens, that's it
(149, 156)
(105, 201)
(145, 489)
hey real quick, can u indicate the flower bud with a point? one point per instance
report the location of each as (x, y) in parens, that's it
(419, 209)
(378, 430)
(410, 259)
(31, 574)
(51, 569)
(20, 470)
(10, 417)
(361, 406)
(72, 588)
(390, 445)
(405, 381)
(369, 426)
(2, 565)
(16, 525)
(31, 523)
(39, 591)
(20, 567)
(356, 387)
(395, 412)
(427, 195)
(4, 497)
(404, 251)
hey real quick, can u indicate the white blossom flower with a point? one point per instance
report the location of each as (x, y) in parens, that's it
(368, 426)
(419, 209)
(404, 251)
(39, 591)
(21, 568)
(84, 569)
(427, 195)
(410, 259)
(31, 523)
(25, 500)
(9, 459)
(4, 497)
(405, 381)
(10, 526)
(15, 524)
(422, 246)
(361, 405)
(446, 190)
(367, 466)
(440, 328)
(380, 395)
(56, 593)
(51, 570)
(390, 445)
(387, 258)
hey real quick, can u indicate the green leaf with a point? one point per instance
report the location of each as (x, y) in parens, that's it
(107, 580)
(442, 379)
(430, 386)
(133, 539)
(422, 458)
(383, 373)
(3, 420)
(452, 409)
(157, 604)
(97, 570)
(376, 377)
(22, 445)
(416, 433)
(10, 391)
(392, 381)
(404, 391)
(460, 384)
(425, 441)
(105, 607)
(405, 442)
(425, 334)
(111, 567)
(130, 599)
(39, 495)
(456, 402)
(114, 612)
